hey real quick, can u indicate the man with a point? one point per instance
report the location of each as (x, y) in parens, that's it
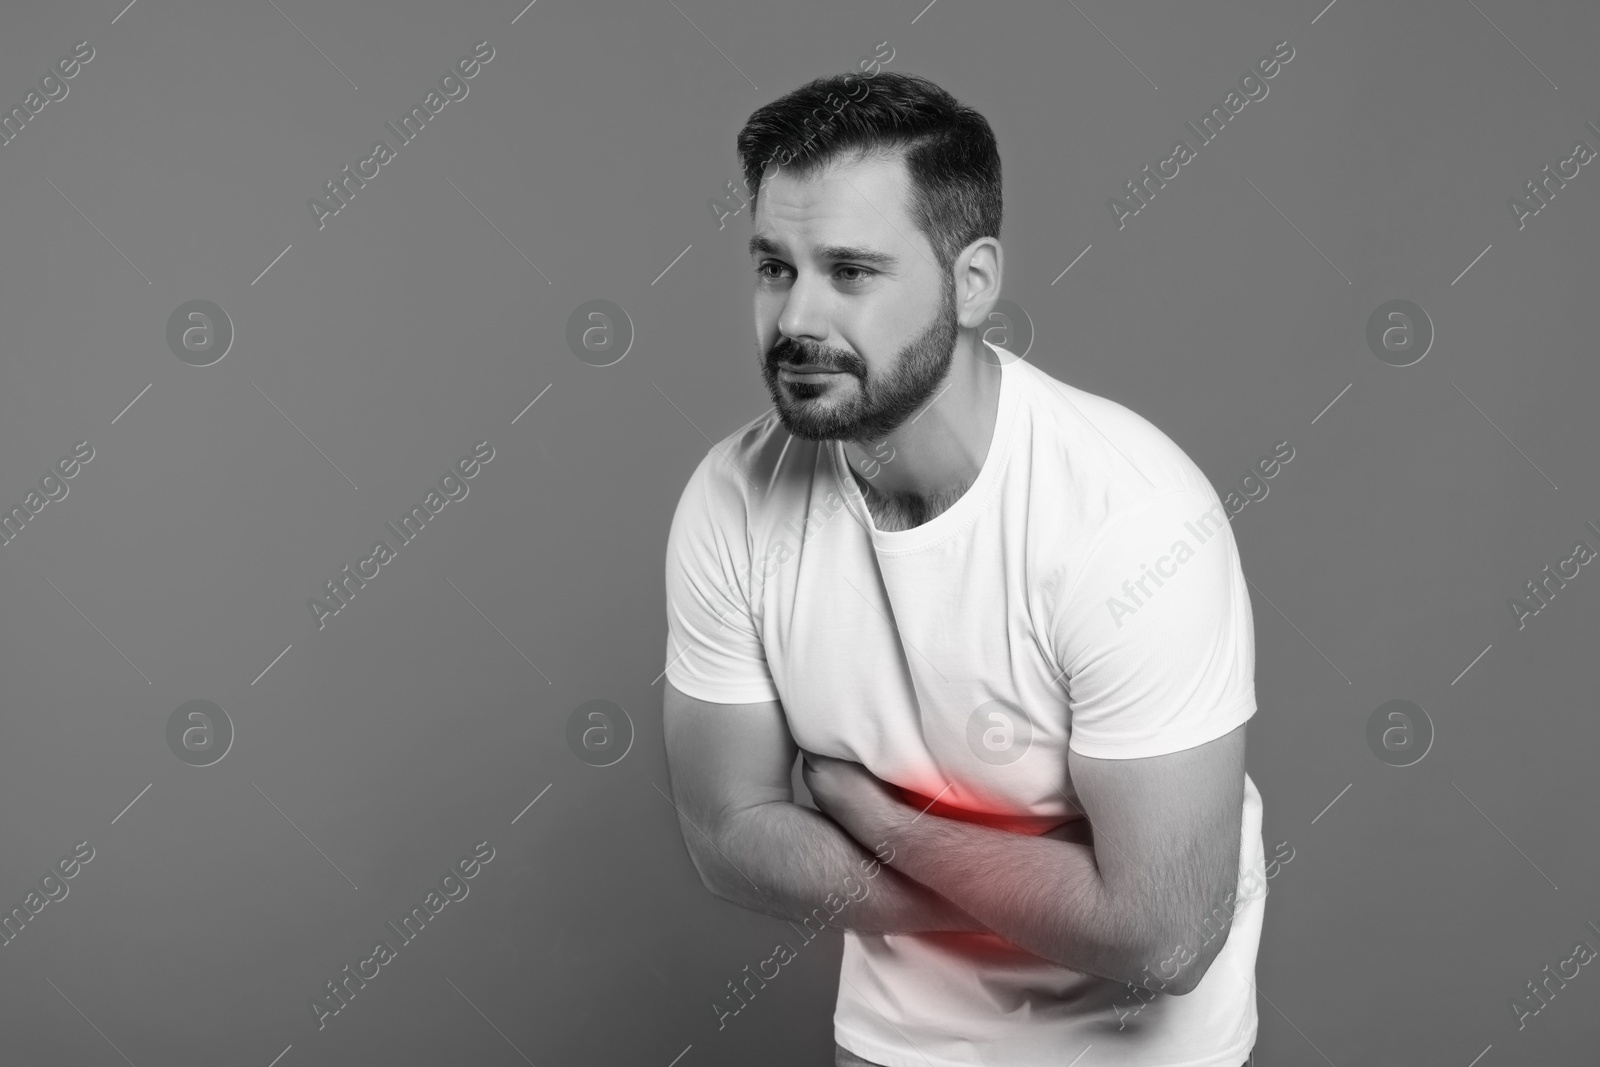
(1003, 619)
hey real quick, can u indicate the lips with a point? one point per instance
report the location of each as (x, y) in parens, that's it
(808, 368)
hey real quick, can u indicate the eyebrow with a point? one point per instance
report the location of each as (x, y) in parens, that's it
(765, 246)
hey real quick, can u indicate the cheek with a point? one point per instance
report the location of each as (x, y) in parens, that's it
(767, 310)
(879, 333)
(766, 336)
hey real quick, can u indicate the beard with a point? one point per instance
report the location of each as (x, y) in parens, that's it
(872, 407)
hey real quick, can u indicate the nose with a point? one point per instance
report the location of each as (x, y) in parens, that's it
(804, 315)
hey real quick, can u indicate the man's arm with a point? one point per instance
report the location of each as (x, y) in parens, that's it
(1165, 859)
(753, 846)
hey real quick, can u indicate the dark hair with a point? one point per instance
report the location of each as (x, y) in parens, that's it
(948, 147)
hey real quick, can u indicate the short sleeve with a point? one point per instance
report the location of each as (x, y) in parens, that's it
(713, 650)
(1155, 635)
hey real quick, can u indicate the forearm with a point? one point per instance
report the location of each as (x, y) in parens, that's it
(1170, 831)
(794, 863)
(1050, 900)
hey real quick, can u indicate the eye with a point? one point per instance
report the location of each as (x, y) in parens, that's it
(764, 269)
(861, 274)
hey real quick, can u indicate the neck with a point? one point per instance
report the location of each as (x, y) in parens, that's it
(938, 452)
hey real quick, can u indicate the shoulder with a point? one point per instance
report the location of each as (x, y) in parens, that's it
(1108, 493)
(740, 474)
(1109, 459)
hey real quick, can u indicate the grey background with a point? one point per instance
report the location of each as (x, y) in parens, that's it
(408, 328)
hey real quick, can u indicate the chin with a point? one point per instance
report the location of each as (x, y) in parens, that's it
(813, 418)
(805, 429)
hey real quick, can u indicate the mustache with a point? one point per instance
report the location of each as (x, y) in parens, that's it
(787, 351)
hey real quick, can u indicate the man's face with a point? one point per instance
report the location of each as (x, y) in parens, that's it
(847, 288)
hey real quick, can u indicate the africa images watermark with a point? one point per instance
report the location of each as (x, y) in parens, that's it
(782, 551)
(51, 488)
(1540, 191)
(1250, 85)
(452, 888)
(855, 891)
(14, 120)
(52, 889)
(722, 209)
(341, 592)
(1209, 523)
(1541, 995)
(1540, 591)
(1219, 921)
(453, 87)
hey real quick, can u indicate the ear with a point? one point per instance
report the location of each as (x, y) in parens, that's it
(978, 273)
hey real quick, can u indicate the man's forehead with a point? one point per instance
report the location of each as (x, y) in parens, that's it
(854, 206)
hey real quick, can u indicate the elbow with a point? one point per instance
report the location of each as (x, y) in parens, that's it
(717, 872)
(707, 877)
(1183, 954)
(1178, 968)
(1187, 981)
(703, 857)
(733, 891)
(711, 873)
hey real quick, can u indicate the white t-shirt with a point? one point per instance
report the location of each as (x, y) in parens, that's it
(970, 652)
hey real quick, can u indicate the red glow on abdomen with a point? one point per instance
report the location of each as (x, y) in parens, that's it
(937, 802)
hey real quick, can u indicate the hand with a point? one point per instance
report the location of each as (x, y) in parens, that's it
(852, 796)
